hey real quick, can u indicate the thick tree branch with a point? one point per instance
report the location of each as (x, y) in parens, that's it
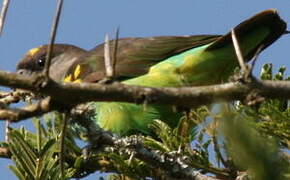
(73, 93)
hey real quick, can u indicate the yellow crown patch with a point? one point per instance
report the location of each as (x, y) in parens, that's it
(33, 51)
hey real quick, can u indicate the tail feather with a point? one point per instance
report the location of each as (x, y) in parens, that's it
(268, 19)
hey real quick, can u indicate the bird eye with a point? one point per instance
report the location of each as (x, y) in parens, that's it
(41, 61)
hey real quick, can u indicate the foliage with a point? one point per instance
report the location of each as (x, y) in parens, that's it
(257, 137)
(249, 150)
(36, 155)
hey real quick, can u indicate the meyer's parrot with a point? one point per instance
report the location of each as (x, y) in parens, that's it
(162, 62)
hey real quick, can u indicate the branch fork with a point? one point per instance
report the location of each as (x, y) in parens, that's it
(246, 76)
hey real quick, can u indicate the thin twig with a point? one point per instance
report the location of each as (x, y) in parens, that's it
(217, 151)
(174, 164)
(52, 37)
(238, 51)
(39, 136)
(7, 127)
(4, 11)
(256, 57)
(115, 51)
(15, 114)
(5, 153)
(107, 59)
(7, 98)
(62, 145)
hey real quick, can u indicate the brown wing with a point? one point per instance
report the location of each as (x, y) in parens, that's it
(136, 55)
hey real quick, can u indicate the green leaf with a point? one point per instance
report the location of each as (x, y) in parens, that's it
(266, 72)
(47, 147)
(22, 152)
(16, 171)
(154, 144)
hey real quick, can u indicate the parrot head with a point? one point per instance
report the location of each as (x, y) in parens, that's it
(63, 56)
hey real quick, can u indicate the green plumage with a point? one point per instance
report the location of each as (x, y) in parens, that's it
(202, 65)
(160, 62)
(197, 66)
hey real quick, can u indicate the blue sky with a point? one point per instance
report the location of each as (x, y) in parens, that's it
(84, 23)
